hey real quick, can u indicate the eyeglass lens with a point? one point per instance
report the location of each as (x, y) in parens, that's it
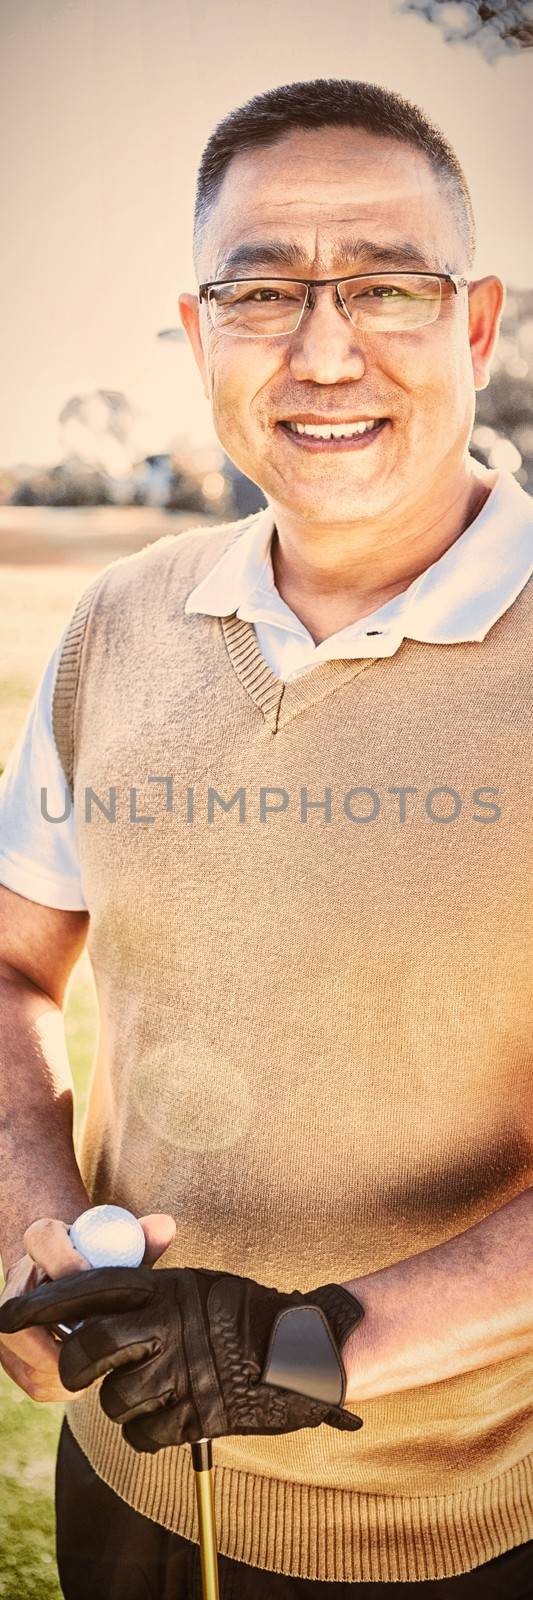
(264, 308)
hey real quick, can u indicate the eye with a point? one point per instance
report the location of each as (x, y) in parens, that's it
(383, 291)
(264, 296)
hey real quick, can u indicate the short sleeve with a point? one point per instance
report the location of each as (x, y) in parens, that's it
(38, 855)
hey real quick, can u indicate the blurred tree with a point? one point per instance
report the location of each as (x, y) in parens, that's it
(494, 25)
(99, 429)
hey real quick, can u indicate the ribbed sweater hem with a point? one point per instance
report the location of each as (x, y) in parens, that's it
(310, 1531)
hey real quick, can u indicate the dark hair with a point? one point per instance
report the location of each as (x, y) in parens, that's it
(331, 103)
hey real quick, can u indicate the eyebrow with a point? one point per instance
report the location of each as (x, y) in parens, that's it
(288, 253)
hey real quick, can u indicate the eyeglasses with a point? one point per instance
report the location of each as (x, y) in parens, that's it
(271, 308)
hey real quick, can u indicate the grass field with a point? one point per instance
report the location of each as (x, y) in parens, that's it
(36, 600)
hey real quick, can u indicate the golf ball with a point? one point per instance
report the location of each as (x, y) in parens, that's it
(108, 1236)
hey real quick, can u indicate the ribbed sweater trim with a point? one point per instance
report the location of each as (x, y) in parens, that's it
(277, 700)
(317, 1533)
(67, 680)
(254, 672)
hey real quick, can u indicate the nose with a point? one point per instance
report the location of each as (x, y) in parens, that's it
(326, 347)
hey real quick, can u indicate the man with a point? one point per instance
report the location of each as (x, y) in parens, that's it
(298, 758)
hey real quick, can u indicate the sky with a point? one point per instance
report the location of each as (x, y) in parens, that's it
(105, 106)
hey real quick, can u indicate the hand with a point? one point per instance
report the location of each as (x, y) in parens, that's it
(31, 1358)
(192, 1354)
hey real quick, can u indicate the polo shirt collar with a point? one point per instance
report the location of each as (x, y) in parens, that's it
(457, 599)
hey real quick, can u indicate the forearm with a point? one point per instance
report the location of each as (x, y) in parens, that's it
(40, 1176)
(464, 1304)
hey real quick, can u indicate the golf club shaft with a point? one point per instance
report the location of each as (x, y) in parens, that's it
(202, 1463)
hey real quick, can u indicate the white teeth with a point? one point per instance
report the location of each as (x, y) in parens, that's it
(335, 430)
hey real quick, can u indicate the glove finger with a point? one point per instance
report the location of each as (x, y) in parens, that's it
(103, 1289)
(133, 1390)
(345, 1421)
(98, 1347)
(156, 1430)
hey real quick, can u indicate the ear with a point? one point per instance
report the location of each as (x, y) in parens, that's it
(190, 314)
(485, 305)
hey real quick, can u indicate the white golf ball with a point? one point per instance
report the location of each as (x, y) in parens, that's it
(108, 1236)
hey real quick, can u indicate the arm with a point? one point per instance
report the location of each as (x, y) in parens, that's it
(464, 1304)
(41, 1190)
(40, 1177)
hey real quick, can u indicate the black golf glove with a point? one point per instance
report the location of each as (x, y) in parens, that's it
(192, 1354)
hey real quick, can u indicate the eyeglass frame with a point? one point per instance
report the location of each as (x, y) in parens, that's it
(323, 283)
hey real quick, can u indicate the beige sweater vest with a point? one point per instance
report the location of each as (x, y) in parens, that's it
(315, 1031)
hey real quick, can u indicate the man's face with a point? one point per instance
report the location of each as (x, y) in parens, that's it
(324, 204)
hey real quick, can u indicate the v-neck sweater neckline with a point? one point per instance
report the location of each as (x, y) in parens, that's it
(280, 701)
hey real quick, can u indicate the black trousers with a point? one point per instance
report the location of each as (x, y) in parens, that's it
(107, 1551)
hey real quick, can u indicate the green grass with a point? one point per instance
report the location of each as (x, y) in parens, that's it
(29, 1439)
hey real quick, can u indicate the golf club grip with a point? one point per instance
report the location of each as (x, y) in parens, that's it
(201, 1451)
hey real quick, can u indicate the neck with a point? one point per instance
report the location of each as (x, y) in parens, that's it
(333, 574)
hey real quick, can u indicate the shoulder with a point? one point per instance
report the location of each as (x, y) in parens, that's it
(168, 567)
(178, 560)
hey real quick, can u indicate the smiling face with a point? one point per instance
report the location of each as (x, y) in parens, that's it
(323, 204)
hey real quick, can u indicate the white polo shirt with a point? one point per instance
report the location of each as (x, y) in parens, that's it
(458, 598)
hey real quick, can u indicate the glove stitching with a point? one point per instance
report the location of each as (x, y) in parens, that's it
(266, 1404)
(239, 1371)
(342, 1309)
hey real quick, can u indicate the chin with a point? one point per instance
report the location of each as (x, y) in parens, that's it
(335, 508)
(328, 493)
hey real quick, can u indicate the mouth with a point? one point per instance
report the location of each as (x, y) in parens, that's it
(347, 434)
